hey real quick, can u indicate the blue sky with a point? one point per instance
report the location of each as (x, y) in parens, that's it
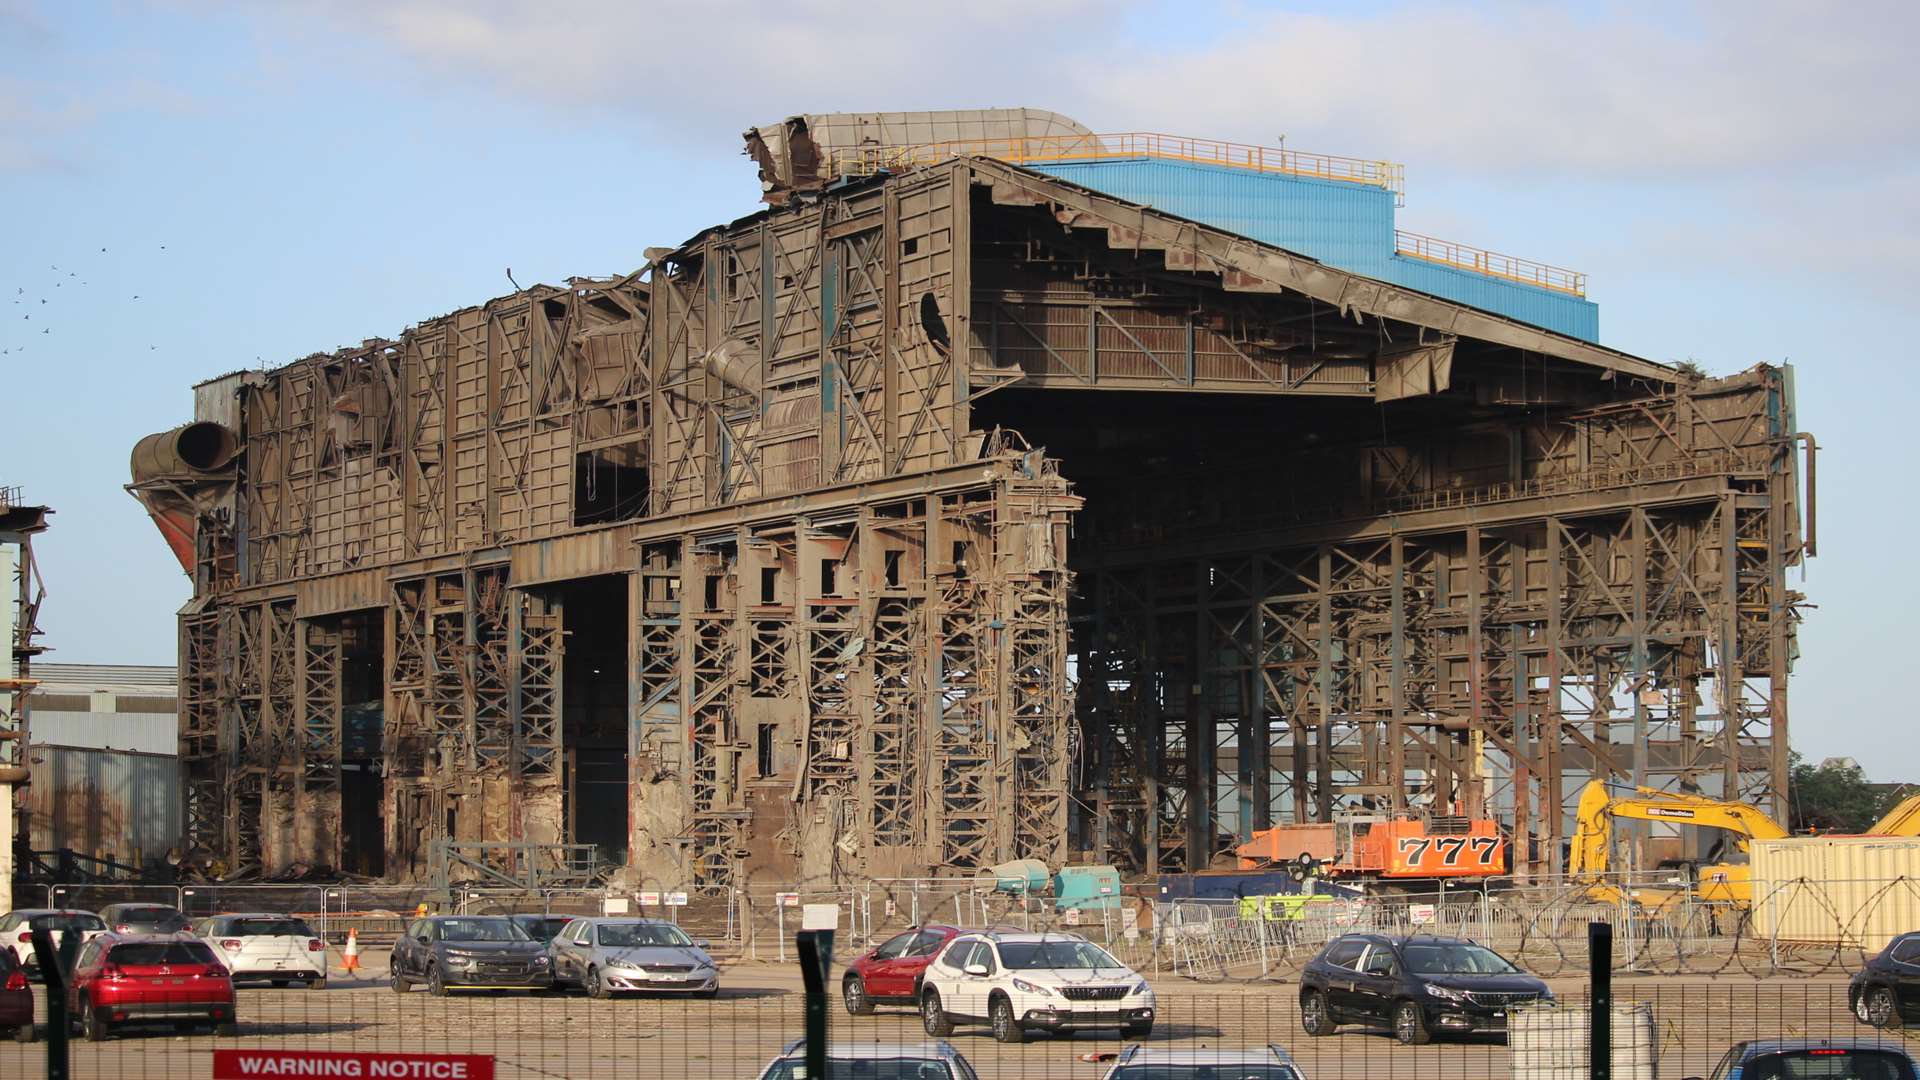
(269, 180)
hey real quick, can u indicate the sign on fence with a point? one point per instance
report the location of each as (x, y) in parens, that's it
(278, 1064)
(676, 899)
(1420, 914)
(787, 899)
(650, 899)
(614, 905)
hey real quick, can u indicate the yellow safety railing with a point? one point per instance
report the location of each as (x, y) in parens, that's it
(1480, 261)
(1039, 149)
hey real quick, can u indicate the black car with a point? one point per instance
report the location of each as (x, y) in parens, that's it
(124, 919)
(1417, 986)
(478, 952)
(1886, 993)
(541, 928)
(1814, 1059)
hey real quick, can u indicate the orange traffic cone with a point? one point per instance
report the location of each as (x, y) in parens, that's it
(350, 958)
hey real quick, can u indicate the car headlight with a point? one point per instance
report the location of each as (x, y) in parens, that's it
(1445, 993)
(459, 961)
(1140, 987)
(542, 961)
(1026, 987)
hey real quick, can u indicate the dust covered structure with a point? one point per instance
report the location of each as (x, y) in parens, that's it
(946, 512)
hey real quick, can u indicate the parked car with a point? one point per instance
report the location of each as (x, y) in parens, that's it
(619, 955)
(541, 928)
(1886, 992)
(266, 948)
(119, 981)
(477, 952)
(16, 998)
(890, 973)
(875, 1061)
(1268, 1062)
(1045, 981)
(16, 930)
(1815, 1059)
(126, 919)
(1415, 986)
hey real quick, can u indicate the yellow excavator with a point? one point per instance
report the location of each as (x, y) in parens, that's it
(1720, 882)
(1902, 820)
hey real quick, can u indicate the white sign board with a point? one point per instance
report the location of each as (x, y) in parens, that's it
(820, 917)
(676, 899)
(787, 899)
(1073, 916)
(1420, 914)
(614, 905)
(649, 899)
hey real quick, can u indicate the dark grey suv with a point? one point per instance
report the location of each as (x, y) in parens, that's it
(469, 952)
(1415, 986)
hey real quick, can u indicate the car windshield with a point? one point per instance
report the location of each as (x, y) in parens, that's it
(639, 935)
(1210, 1071)
(865, 1068)
(165, 920)
(162, 952)
(1454, 958)
(269, 928)
(1830, 1064)
(482, 930)
(1038, 955)
(78, 921)
(540, 926)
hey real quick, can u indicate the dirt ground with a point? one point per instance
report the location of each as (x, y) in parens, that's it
(760, 1010)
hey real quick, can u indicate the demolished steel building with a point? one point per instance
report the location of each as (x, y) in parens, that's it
(945, 513)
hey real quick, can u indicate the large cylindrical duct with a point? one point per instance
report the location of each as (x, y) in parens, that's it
(188, 451)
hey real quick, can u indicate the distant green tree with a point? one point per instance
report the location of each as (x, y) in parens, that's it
(1831, 797)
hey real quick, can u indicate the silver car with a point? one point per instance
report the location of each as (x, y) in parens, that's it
(1139, 1062)
(936, 1060)
(608, 956)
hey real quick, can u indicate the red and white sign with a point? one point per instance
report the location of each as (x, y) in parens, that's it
(283, 1064)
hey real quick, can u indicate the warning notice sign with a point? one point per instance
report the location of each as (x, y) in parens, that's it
(278, 1064)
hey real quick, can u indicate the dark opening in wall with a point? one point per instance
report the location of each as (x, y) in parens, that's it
(826, 577)
(893, 569)
(763, 750)
(769, 584)
(713, 592)
(608, 485)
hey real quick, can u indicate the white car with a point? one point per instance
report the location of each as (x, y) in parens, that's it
(1046, 981)
(16, 930)
(263, 947)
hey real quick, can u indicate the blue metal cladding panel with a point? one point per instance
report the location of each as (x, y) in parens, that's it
(1345, 225)
(1565, 313)
(1350, 226)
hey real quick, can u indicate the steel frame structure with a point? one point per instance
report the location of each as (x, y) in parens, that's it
(859, 638)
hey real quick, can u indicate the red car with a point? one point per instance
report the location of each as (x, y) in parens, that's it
(149, 979)
(16, 998)
(890, 974)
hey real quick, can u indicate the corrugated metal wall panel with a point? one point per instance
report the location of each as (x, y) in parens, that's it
(1350, 226)
(96, 800)
(1835, 890)
(1571, 315)
(1347, 225)
(145, 733)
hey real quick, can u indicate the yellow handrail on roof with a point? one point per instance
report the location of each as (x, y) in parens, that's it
(1038, 149)
(1481, 261)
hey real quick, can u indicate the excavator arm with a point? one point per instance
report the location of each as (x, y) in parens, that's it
(1902, 820)
(1593, 832)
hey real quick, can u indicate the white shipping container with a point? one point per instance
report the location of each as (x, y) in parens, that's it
(1850, 891)
(1551, 1043)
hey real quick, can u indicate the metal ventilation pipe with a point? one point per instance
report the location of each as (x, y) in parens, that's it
(190, 450)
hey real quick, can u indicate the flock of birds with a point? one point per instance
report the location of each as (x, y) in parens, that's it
(33, 304)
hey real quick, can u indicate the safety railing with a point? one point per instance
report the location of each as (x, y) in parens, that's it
(1043, 149)
(1489, 263)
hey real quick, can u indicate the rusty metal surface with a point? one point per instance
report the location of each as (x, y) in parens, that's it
(863, 470)
(107, 802)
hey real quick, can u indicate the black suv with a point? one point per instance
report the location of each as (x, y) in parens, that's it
(1416, 985)
(1886, 993)
(480, 952)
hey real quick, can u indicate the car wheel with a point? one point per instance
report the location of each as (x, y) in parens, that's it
(1006, 1028)
(710, 994)
(1877, 1006)
(1313, 1014)
(399, 982)
(596, 987)
(436, 982)
(316, 984)
(854, 993)
(92, 1024)
(23, 1033)
(1410, 1025)
(933, 1017)
(1137, 1031)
